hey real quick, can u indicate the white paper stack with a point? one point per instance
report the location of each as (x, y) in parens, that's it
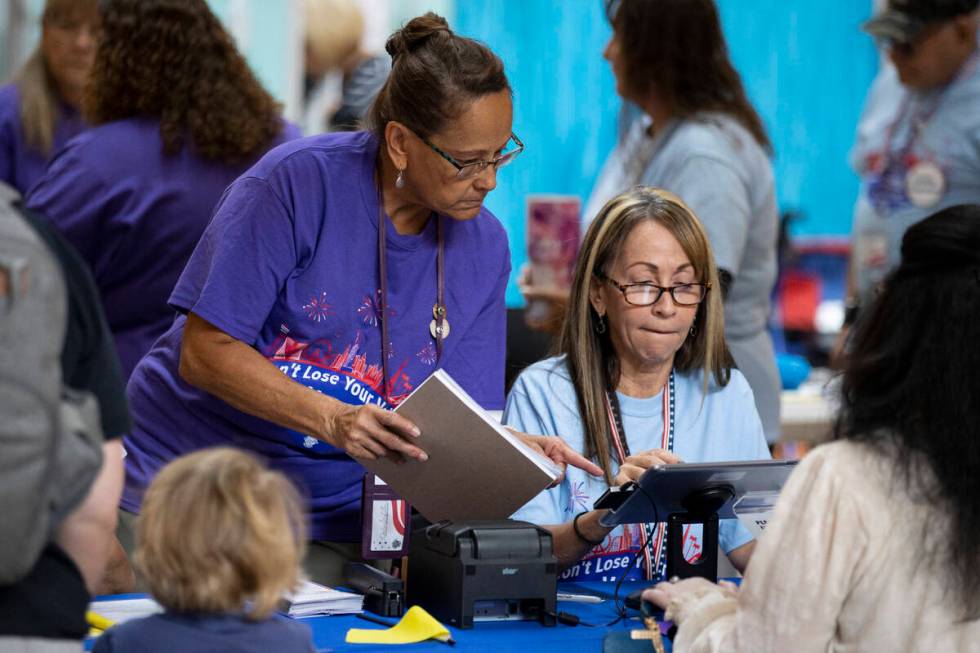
(121, 610)
(314, 599)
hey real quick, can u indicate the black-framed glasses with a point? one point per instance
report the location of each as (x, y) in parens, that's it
(648, 294)
(471, 169)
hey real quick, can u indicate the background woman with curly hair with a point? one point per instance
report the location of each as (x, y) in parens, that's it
(177, 116)
(39, 110)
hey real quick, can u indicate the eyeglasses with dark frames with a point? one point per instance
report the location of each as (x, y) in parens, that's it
(648, 294)
(471, 169)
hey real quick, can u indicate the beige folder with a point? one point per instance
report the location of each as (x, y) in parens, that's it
(476, 469)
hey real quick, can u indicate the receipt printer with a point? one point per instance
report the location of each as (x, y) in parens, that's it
(483, 570)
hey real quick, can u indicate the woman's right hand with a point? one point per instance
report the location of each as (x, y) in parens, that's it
(370, 432)
(634, 466)
(545, 306)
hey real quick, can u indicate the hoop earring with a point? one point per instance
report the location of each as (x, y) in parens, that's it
(600, 326)
(400, 180)
(694, 330)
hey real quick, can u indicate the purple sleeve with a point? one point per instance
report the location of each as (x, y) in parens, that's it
(479, 358)
(79, 204)
(235, 274)
(6, 152)
(9, 124)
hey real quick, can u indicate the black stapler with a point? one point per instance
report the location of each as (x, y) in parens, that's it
(383, 593)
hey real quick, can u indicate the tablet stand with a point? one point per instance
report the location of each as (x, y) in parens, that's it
(701, 507)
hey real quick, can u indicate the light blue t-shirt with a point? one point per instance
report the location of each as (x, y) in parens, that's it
(948, 138)
(720, 426)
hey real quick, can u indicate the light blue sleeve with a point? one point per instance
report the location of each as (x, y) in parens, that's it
(752, 445)
(532, 416)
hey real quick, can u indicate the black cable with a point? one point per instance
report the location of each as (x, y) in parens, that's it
(561, 616)
(621, 609)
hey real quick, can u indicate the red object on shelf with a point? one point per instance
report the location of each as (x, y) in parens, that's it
(799, 298)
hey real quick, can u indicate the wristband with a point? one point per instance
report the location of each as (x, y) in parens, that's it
(579, 535)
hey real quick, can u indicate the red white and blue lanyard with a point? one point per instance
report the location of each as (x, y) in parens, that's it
(654, 554)
(919, 121)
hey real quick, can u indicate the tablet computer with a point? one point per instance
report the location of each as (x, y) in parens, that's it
(662, 489)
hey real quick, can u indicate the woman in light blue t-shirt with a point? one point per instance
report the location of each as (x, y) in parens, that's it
(644, 378)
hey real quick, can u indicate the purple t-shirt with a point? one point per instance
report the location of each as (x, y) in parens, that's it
(289, 265)
(20, 164)
(135, 214)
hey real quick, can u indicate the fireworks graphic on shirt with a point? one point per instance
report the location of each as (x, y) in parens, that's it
(579, 498)
(370, 309)
(428, 354)
(317, 309)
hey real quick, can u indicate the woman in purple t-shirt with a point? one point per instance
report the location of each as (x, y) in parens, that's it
(337, 274)
(176, 116)
(39, 111)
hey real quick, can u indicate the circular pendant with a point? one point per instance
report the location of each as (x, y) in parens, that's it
(925, 184)
(439, 331)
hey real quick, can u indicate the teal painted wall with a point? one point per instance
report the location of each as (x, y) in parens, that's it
(565, 102)
(805, 64)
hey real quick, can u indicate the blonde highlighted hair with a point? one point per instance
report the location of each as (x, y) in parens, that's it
(592, 362)
(220, 533)
(40, 103)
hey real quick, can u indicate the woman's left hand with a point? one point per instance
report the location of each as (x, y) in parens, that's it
(559, 452)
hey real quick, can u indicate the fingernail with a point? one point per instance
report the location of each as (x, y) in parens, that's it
(416, 431)
(423, 456)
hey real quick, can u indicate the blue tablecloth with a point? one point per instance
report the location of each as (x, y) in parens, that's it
(525, 636)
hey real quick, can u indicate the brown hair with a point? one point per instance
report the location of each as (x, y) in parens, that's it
(40, 104)
(172, 60)
(676, 49)
(220, 533)
(592, 362)
(435, 74)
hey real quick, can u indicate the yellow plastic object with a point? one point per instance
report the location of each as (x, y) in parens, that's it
(416, 626)
(97, 621)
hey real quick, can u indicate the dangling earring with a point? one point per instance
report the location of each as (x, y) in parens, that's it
(400, 180)
(694, 329)
(600, 326)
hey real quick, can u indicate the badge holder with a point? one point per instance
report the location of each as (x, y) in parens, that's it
(384, 521)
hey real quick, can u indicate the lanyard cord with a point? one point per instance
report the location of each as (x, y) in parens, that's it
(438, 311)
(922, 119)
(655, 535)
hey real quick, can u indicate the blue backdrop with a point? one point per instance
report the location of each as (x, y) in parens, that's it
(806, 65)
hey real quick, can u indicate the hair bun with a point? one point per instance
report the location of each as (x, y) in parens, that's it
(415, 34)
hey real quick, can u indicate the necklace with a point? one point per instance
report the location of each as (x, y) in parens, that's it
(439, 326)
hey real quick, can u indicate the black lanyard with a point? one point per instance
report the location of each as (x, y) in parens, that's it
(438, 311)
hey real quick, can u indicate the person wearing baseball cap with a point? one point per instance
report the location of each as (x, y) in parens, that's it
(918, 140)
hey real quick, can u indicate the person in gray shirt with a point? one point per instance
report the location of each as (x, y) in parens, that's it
(918, 140)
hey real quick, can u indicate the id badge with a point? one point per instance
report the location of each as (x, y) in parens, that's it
(384, 520)
(925, 184)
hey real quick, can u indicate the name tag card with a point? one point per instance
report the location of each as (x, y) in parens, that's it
(754, 510)
(384, 520)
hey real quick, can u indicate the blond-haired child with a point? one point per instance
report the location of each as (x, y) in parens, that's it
(219, 539)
